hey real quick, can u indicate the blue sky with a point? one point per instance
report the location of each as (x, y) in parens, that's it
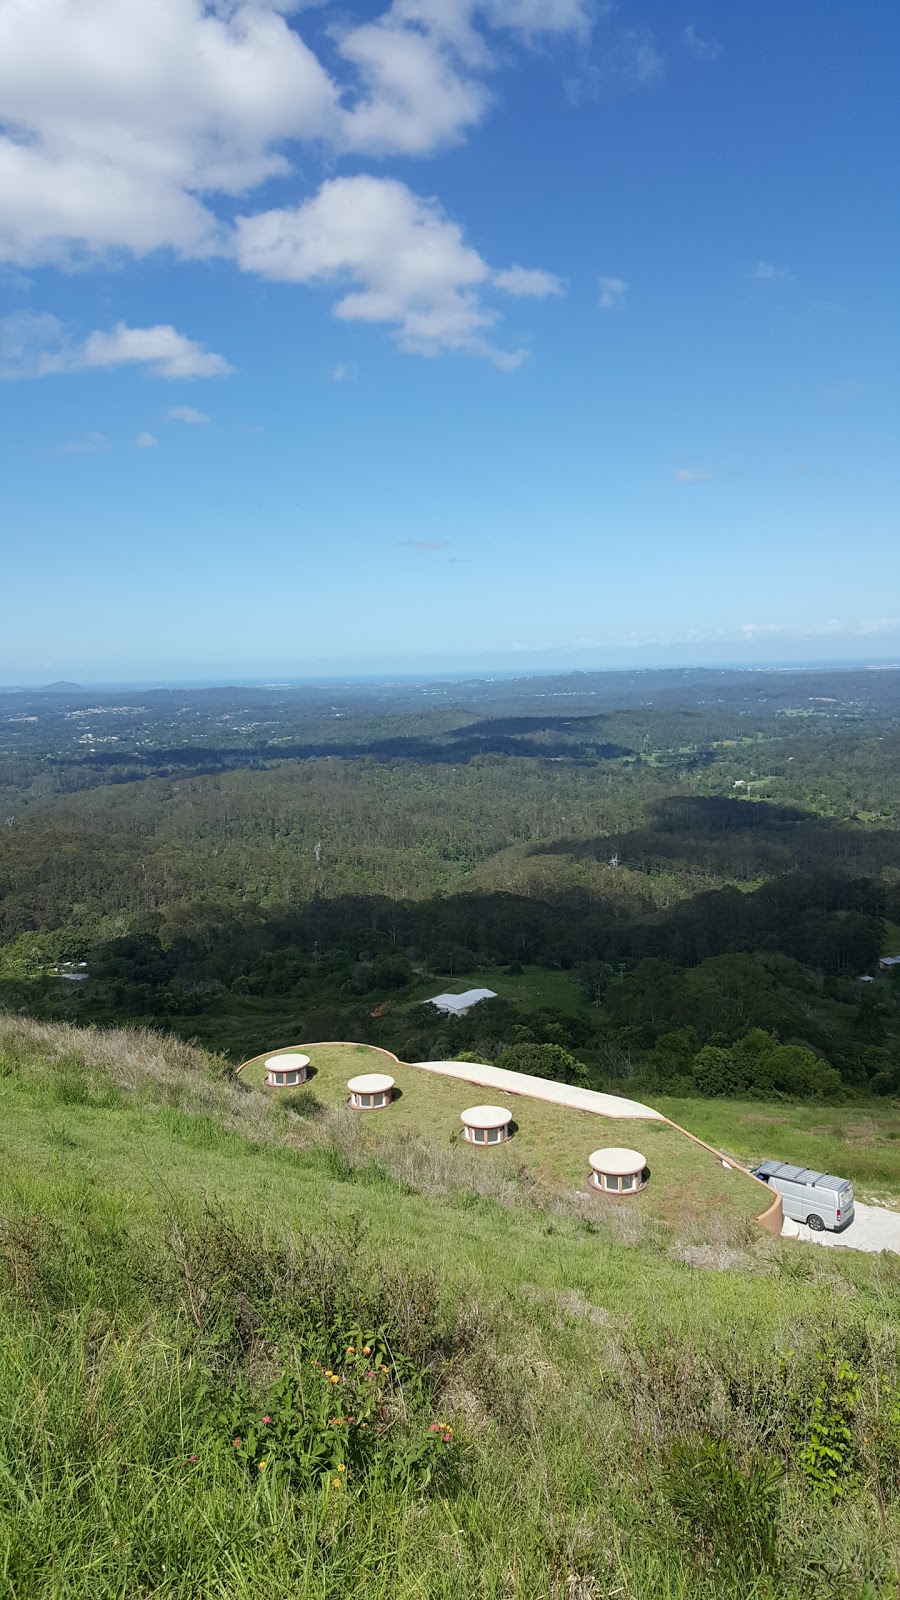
(445, 336)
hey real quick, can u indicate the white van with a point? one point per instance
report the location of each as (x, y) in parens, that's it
(817, 1198)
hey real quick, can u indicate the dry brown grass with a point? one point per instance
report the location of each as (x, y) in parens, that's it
(145, 1065)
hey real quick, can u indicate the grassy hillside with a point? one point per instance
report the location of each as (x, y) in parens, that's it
(448, 1376)
(858, 1142)
(549, 1149)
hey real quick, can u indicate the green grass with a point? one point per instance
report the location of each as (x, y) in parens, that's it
(170, 1240)
(860, 1143)
(550, 1146)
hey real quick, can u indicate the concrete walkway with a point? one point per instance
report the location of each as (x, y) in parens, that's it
(561, 1094)
(873, 1228)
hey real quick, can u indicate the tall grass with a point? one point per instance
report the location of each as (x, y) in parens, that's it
(625, 1423)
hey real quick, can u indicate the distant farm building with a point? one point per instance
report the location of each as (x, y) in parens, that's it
(887, 963)
(456, 1005)
(486, 1124)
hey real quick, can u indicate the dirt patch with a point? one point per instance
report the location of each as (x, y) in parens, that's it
(577, 1306)
(710, 1257)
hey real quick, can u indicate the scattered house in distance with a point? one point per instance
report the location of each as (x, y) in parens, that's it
(888, 962)
(456, 1005)
(867, 979)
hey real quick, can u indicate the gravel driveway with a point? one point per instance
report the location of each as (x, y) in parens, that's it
(873, 1228)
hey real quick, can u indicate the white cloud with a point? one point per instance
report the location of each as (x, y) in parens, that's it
(409, 265)
(168, 354)
(764, 272)
(612, 293)
(702, 49)
(344, 372)
(123, 123)
(188, 415)
(122, 120)
(146, 441)
(425, 544)
(36, 345)
(119, 114)
(693, 475)
(528, 281)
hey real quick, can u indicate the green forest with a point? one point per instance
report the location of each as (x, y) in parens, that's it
(255, 1344)
(673, 881)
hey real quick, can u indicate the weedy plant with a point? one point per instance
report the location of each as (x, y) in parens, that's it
(355, 1424)
(830, 1457)
(728, 1506)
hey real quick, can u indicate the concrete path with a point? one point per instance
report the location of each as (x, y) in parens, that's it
(873, 1228)
(561, 1094)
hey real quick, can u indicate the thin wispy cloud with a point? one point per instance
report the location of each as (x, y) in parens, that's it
(90, 444)
(848, 390)
(612, 292)
(425, 544)
(188, 415)
(701, 49)
(34, 344)
(635, 58)
(694, 475)
(528, 281)
(344, 372)
(757, 632)
(765, 272)
(146, 441)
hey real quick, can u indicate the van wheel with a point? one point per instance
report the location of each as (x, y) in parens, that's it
(815, 1223)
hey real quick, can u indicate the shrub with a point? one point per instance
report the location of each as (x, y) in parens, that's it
(362, 1420)
(544, 1061)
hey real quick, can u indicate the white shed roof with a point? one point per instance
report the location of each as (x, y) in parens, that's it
(461, 1002)
(617, 1162)
(290, 1061)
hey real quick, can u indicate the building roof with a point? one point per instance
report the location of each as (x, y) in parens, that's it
(370, 1083)
(561, 1094)
(486, 1117)
(461, 1002)
(617, 1162)
(805, 1175)
(889, 961)
(289, 1061)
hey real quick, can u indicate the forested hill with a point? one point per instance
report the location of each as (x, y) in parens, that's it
(341, 858)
